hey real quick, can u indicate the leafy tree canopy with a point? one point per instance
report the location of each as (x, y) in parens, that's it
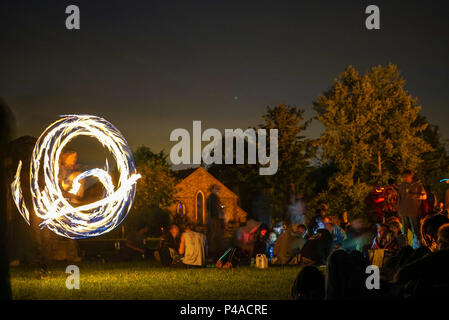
(371, 130)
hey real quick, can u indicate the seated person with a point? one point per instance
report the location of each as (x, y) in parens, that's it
(396, 231)
(168, 246)
(251, 238)
(281, 243)
(257, 241)
(309, 284)
(192, 248)
(443, 237)
(317, 248)
(289, 245)
(279, 228)
(384, 239)
(302, 229)
(246, 236)
(272, 238)
(338, 235)
(346, 277)
(317, 222)
(261, 244)
(134, 247)
(429, 230)
(359, 236)
(426, 277)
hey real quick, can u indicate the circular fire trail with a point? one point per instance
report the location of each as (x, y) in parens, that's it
(49, 203)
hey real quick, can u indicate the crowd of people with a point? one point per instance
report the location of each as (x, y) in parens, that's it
(405, 232)
(403, 237)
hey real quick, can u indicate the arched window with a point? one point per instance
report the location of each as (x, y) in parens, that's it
(200, 208)
(180, 209)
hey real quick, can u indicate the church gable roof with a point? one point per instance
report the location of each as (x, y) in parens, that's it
(204, 180)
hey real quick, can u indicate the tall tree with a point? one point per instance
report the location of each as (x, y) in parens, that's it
(294, 152)
(371, 133)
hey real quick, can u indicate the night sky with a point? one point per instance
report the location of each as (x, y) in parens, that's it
(152, 66)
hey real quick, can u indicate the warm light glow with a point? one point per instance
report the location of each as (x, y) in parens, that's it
(50, 205)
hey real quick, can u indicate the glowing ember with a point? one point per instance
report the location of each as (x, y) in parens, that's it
(49, 204)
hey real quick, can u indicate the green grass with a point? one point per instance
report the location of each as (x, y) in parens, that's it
(147, 280)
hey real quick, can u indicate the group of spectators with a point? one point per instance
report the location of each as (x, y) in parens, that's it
(175, 249)
(413, 243)
(404, 273)
(411, 236)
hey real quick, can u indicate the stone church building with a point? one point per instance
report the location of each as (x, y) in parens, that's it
(192, 193)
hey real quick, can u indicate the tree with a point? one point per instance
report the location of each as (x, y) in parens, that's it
(155, 189)
(435, 164)
(294, 152)
(371, 133)
(143, 154)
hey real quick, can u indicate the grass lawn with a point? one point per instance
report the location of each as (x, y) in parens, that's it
(147, 280)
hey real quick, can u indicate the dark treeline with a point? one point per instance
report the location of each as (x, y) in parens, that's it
(373, 130)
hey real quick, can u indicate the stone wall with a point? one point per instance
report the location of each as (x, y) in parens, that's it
(201, 180)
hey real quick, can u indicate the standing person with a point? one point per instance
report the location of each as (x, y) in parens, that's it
(297, 209)
(215, 223)
(6, 123)
(193, 248)
(38, 250)
(68, 171)
(446, 197)
(21, 247)
(430, 205)
(344, 221)
(391, 196)
(411, 195)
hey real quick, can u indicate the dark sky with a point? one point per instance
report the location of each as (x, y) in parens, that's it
(152, 66)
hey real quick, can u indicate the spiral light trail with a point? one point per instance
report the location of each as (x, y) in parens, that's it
(49, 204)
